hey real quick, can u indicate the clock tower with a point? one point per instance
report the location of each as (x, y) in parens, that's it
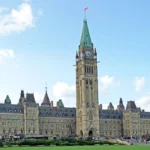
(87, 106)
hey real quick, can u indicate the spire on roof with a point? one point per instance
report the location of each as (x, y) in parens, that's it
(110, 106)
(7, 100)
(46, 101)
(85, 37)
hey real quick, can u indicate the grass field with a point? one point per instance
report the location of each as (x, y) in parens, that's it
(81, 148)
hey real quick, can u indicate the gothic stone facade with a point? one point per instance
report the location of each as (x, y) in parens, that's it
(87, 119)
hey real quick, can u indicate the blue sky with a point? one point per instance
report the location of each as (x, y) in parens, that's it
(39, 39)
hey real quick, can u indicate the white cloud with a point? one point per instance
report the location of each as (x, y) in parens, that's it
(6, 53)
(144, 102)
(65, 92)
(17, 20)
(38, 97)
(106, 82)
(139, 83)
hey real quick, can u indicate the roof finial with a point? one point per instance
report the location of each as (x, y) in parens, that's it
(46, 87)
(85, 12)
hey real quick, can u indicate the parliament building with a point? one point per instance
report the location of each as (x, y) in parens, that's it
(28, 118)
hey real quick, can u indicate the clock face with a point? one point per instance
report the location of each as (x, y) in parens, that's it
(88, 54)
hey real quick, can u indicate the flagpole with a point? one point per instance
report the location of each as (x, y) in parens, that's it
(85, 12)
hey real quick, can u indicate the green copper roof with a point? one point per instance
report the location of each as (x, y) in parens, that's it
(60, 103)
(85, 37)
(7, 100)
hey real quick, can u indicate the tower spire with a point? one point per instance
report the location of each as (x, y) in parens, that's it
(46, 100)
(85, 36)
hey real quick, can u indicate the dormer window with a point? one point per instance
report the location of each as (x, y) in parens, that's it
(9, 110)
(4, 109)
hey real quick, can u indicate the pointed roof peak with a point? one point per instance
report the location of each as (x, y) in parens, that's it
(46, 101)
(7, 100)
(85, 36)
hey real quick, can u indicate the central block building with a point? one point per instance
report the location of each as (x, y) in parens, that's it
(89, 118)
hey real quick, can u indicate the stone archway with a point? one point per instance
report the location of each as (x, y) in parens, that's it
(81, 133)
(90, 133)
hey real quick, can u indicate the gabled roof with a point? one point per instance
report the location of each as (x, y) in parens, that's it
(46, 100)
(85, 37)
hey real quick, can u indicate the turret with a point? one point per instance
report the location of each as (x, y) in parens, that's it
(22, 98)
(120, 107)
(110, 106)
(46, 101)
(7, 100)
(60, 104)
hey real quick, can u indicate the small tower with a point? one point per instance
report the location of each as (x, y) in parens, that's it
(110, 106)
(22, 98)
(60, 103)
(120, 107)
(7, 100)
(46, 101)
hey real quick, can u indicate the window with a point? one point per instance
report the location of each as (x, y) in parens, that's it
(3, 123)
(21, 130)
(46, 132)
(9, 130)
(33, 130)
(86, 81)
(91, 82)
(3, 130)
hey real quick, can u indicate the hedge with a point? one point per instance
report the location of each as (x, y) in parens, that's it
(59, 142)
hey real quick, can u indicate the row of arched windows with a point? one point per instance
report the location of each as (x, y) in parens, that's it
(89, 69)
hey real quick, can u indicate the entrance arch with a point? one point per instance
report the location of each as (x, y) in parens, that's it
(81, 133)
(90, 133)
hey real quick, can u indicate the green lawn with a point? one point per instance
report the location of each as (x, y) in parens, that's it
(81, 148)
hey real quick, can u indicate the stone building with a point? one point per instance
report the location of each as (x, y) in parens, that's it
(27, 118)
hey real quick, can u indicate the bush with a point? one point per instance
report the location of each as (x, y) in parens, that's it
(1, 144)
(61, 142)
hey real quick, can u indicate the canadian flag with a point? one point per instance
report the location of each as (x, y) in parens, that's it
(85, 8)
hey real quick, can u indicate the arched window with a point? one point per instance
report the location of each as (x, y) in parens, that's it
(86, 81)
(85, 69)
(90, 116)
(3, 130)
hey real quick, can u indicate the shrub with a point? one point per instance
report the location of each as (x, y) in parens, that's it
(1, 144)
